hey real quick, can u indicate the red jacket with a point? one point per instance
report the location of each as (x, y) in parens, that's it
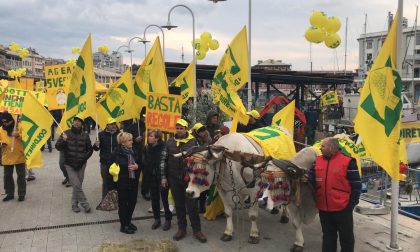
(332, 186)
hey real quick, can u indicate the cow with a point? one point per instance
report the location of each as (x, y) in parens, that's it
(301, 208)
(234, 146)
(223, 165)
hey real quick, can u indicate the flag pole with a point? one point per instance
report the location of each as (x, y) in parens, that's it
(96, 126)
(395, 185)
(58, 124)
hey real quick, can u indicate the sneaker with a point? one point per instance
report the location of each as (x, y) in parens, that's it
(65, 181)
(8, 197)
(200, 236)
(21, 198)
(75, 208)
(30, 178)
(179, 235)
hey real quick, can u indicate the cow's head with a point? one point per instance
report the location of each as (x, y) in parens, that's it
(200, 168)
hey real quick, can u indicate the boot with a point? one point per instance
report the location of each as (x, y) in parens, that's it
(179, 235)
(126, 230)
(156, 224)
(166, 225)
(200, 236)
(132, 226)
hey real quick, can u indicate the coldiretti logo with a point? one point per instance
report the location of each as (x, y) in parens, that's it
(33, 137)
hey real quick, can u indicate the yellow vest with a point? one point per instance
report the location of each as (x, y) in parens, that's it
(7, 156)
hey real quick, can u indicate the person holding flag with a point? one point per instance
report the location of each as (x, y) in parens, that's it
(253, 122)
(77, 149)
(106, 144)
(12, 156)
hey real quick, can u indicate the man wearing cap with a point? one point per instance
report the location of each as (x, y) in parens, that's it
(105, 144)
(12, 156)
(253, 122)
(77, 149)
(199, 131)
(173, 172)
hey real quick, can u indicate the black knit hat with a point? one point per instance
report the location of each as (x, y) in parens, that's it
(6, 116)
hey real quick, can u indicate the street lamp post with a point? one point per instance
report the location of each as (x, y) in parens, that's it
(131, 51)
(122, 60)
(163, 39)
(170, 26)
(249, 52)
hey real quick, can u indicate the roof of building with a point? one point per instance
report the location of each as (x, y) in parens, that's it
(272, 62)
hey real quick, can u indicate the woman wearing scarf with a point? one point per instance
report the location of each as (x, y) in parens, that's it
(128, 180)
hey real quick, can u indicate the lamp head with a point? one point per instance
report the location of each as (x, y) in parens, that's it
(169, 25)
(144, 40)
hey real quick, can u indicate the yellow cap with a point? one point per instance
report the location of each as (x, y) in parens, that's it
(254, 114)
(79, 116)
(197, 126)
(114, 170)
(182, 122)
(110, 120)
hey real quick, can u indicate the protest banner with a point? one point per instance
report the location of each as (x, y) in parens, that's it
(12, 100)
(410, 132)
(57, 78)
(163, 110)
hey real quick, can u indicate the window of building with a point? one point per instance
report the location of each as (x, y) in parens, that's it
(416, 72)
(417, 39)
(369, 44)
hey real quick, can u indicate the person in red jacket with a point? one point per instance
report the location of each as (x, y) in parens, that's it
(337, 184)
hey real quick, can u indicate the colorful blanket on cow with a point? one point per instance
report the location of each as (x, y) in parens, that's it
(274, 141)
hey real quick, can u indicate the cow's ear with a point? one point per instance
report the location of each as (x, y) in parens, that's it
(216, 152)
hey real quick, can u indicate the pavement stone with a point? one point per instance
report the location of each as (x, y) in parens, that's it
(48, 204)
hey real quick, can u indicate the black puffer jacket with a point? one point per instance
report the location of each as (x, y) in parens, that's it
(77, 149)
(120, 157)
(107, 144)
(151, 162)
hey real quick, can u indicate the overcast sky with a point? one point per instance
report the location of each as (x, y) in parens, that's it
(53, 27)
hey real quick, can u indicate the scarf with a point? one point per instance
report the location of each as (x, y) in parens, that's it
(187, 138)
(128, 152)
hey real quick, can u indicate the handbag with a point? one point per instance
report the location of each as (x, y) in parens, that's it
(109, 202)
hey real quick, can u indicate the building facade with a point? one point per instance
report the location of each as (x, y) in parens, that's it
(371, 43)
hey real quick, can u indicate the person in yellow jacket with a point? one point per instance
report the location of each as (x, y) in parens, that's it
(12, 156)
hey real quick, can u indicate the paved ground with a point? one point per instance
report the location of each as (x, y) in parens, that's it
(47, 205)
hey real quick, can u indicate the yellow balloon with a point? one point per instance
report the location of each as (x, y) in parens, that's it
(197, 44)
(318, 19)
(315, 35)
(205, 36)
(204, 46)
(332, 25)
(332, 40)
(214, 44)
(200, 55)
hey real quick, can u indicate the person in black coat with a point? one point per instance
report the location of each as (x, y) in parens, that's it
(106, 144)
(128, 180)
(151, 169)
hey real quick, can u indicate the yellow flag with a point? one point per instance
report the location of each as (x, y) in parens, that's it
(118, 101)
(286, 117)
(36, 127)
(329, 98)
(230, 75)
(81, 92)
(151, 77)
(378, 117)
(185, 81)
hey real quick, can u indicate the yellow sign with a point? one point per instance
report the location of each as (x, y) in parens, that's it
(410, 132)
(57, 78)
(163, 110)
(329, 98)
(12, 100)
